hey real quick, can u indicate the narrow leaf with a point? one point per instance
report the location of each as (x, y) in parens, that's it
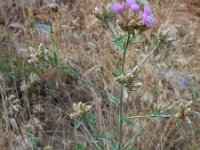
(111, 98)
(55, 59)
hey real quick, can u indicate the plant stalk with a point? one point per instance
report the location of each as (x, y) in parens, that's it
(121, 95)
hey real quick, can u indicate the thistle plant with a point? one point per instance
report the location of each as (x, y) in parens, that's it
(134, 18)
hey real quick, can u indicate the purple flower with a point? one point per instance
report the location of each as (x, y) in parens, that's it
(147, 10)
(118, 8)
(149, 20)
(135, 8)
(129, 3)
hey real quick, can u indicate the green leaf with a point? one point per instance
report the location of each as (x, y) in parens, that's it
(120, 42)
(55, 59)
(111, 98)
(116, 73)
(194, 94)
(77, 124)
(138, 40)
(131, 123)
(90, 120)
(115, 146)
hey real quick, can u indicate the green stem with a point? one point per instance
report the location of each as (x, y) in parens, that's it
(121, 95)
(73, 75)
(149, 55)
(110, 29)
(137, 134)
(114, 36)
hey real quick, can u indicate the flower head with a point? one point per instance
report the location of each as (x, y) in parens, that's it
(129, 3)
(80, 109)
(147, 10)
(149, 20)
(118, 8)
(135, 8)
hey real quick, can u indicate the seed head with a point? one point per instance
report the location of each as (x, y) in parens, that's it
(38, 55)
(184, 111)
(80, 109)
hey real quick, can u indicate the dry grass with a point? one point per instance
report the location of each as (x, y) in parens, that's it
(35, 104)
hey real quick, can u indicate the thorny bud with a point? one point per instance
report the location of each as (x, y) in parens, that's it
(80, 109)
(103, 12)
(120, 23)
(184, 111)
(97, 11)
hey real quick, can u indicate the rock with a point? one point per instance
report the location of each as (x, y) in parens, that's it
(53, 6)
(44, 30)
(177, 79)
(15, 26)
(44, 27)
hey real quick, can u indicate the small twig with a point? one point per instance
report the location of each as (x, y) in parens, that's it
(150, 116)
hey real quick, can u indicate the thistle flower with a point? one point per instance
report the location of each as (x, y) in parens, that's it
(80, 109)
(129, 3)
(135, 8)
(148, 10)
(118, 8)
(148, 18)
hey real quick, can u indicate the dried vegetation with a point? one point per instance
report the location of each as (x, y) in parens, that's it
(36, 104)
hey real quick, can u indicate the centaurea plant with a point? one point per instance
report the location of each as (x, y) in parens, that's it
(133, 21)
(131, 28)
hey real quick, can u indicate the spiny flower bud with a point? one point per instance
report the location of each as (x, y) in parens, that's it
(120, 23)
(103, 12)
(97, 11)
